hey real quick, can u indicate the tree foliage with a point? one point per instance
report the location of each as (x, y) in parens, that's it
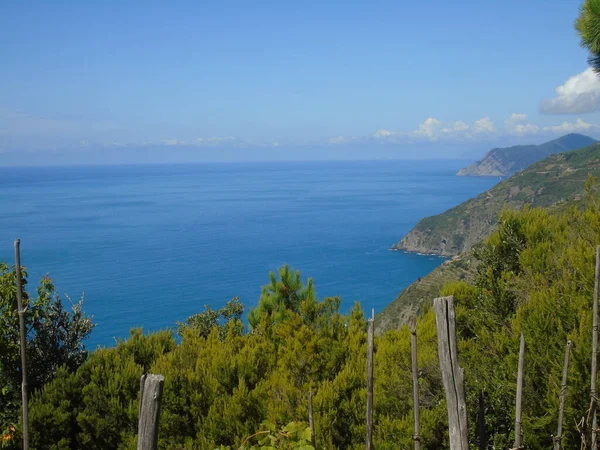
(204, 322)
(588, 27)
(282, 296)
(225, 383)
(55, 339)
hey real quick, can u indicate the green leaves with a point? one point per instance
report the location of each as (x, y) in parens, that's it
(294, 435)
(203, 323)
(55, 339)
(281, 297)
(588, 27)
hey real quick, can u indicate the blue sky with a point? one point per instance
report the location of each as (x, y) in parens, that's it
(278, 80)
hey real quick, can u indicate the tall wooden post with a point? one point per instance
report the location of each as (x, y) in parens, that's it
(518, 423)
(452, 374)
(311, 421)
(21, 312)
(593, 400)
(150, 399)
(415, 378)
(370, 339)
(563, 394)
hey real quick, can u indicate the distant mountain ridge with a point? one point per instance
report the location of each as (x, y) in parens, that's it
(557, 179)
(510, 160)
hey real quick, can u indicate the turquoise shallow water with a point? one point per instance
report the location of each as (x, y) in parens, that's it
(150, 245)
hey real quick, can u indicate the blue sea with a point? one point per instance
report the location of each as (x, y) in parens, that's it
(150, 245)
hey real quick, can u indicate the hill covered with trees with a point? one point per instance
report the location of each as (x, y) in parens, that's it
(502, 162)
(553, 181)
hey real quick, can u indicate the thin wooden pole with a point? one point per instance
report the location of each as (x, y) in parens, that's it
(150, 399)
(311, 421)
(518, 423)
(370, 339)
(142, 383)
(594, 375)
(415, 378)
(453, 376)
(563, 394)
(21, 312)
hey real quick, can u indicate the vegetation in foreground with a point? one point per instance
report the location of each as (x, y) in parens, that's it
(224, 383)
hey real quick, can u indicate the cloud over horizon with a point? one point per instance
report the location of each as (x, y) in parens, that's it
(517, 124)
(19, 131)
(579, 94)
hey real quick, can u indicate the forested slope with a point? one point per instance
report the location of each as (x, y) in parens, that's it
(557, 179)
(223, 382)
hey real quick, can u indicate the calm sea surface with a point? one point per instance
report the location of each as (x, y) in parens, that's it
(150, 245)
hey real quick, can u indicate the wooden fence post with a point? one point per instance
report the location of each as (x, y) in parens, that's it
(370, 338)
(21, 312)
(415, 377)
(311, 420)
(452, 375)
(518, 423)
(151, 388)
(563, 394)
(593, 400)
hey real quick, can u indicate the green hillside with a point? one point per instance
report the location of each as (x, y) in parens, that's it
(418, 296)
(226, 385)
(552, 181)
(508, 161)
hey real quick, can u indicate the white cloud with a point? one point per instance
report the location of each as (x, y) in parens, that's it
(430, 129)
(515, 118)
(456, 127)
(383, 134)
(517, 125)
(434, 130)
(484, 125)
(579, 94)
(522, 129)
(579, 126)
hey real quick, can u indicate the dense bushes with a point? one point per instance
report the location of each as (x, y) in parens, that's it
(55, 338)
(224, 383)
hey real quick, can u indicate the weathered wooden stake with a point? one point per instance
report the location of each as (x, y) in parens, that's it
(563, 394)
(370, 334)
(21, 312)
(415, 378)
(150, 399)
(452, 375)
(593, 399)
(518, 423)
(311, 421)
(142, 382)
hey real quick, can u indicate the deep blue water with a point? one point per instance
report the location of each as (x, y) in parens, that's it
(150, 245)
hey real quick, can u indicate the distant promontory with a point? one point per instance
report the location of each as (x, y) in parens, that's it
(510, 160)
